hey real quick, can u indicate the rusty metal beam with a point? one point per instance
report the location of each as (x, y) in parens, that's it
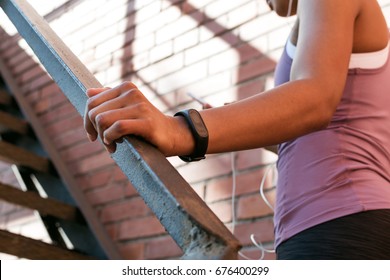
(190, 222)
(15, 155)
(9, 122)
(25, 247)
(45, 206)
(96, 226)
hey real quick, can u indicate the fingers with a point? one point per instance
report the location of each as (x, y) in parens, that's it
(100, 100)
(106, 119)
(93, 109)
(91, 133)
(113, 113)
(124, 127)
(94, 91)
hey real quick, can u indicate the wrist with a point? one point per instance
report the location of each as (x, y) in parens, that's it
(199, 133)
(183, 143)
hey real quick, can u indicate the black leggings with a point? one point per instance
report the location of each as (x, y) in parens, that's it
(361, 236)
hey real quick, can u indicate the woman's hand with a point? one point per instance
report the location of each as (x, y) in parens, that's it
(113, 113)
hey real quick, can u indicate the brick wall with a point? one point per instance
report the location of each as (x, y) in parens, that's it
(219, 50)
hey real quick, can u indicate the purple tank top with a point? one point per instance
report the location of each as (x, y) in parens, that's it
(340, 170)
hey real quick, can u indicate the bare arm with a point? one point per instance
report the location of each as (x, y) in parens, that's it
(301, 106)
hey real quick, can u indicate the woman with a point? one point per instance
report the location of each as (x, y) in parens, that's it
(329, 111)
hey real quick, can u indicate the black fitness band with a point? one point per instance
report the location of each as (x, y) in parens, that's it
(199, 132)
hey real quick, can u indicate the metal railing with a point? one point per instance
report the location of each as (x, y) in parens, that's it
(185, 216)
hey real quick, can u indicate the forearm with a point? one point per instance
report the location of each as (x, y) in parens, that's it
(284, 113)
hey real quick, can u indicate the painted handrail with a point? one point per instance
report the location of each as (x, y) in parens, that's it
(185, 216)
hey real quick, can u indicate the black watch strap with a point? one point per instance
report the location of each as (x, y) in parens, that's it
(199, 132)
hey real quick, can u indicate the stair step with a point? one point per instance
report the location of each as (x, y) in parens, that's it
(25, 247)
(12, 123)
(5, 98)
(19, 156)
(45, 206)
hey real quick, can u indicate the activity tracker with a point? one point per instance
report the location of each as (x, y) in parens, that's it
(199, 132)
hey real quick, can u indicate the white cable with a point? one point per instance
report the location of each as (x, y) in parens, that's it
(233, 165)
(261, 189)
(257, 244)
(289, 8)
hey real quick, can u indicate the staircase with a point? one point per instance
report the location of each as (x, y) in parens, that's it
(185, 216)
(41, 190)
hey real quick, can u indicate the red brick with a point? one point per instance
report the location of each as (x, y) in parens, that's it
(187, 8)
(12, 52)
(32, 73)
(174, 29)
(167, 15)
(206, 88)
(6, 43)
(25, 63)
(126, 26)
(105, 194)
(184, 77)
(133, 251)
(64, 125)
(143, 44)
(130, 190)
(262, 229)
(259, 26)
(68, 138)
(119, 175)
(220, 7)
(253, 158)
(250, 88)
(223, 61)
(110, 45)
(235, 17)
(99, 178)
(97, 33)
(49, 105)
(199, 189)
(33, 96)
(162, 248)
(62, 111)
(219, 189)
(223, 210)
(253, 206)
(201, 3)
(148, 11)
(95, 162)
(114, 49)
(205, 50)
(161, 51)
(41, 106)
(142, 227)
(185, 41)
(50, 90)
(113, 230)
(137, 62)
(246, 183)
(253, 253)
(207, 169)
(162, 68)
(131, 208)
(37, 83)
(256, 68)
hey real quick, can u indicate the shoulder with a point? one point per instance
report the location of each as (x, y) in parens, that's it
(363, 19)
